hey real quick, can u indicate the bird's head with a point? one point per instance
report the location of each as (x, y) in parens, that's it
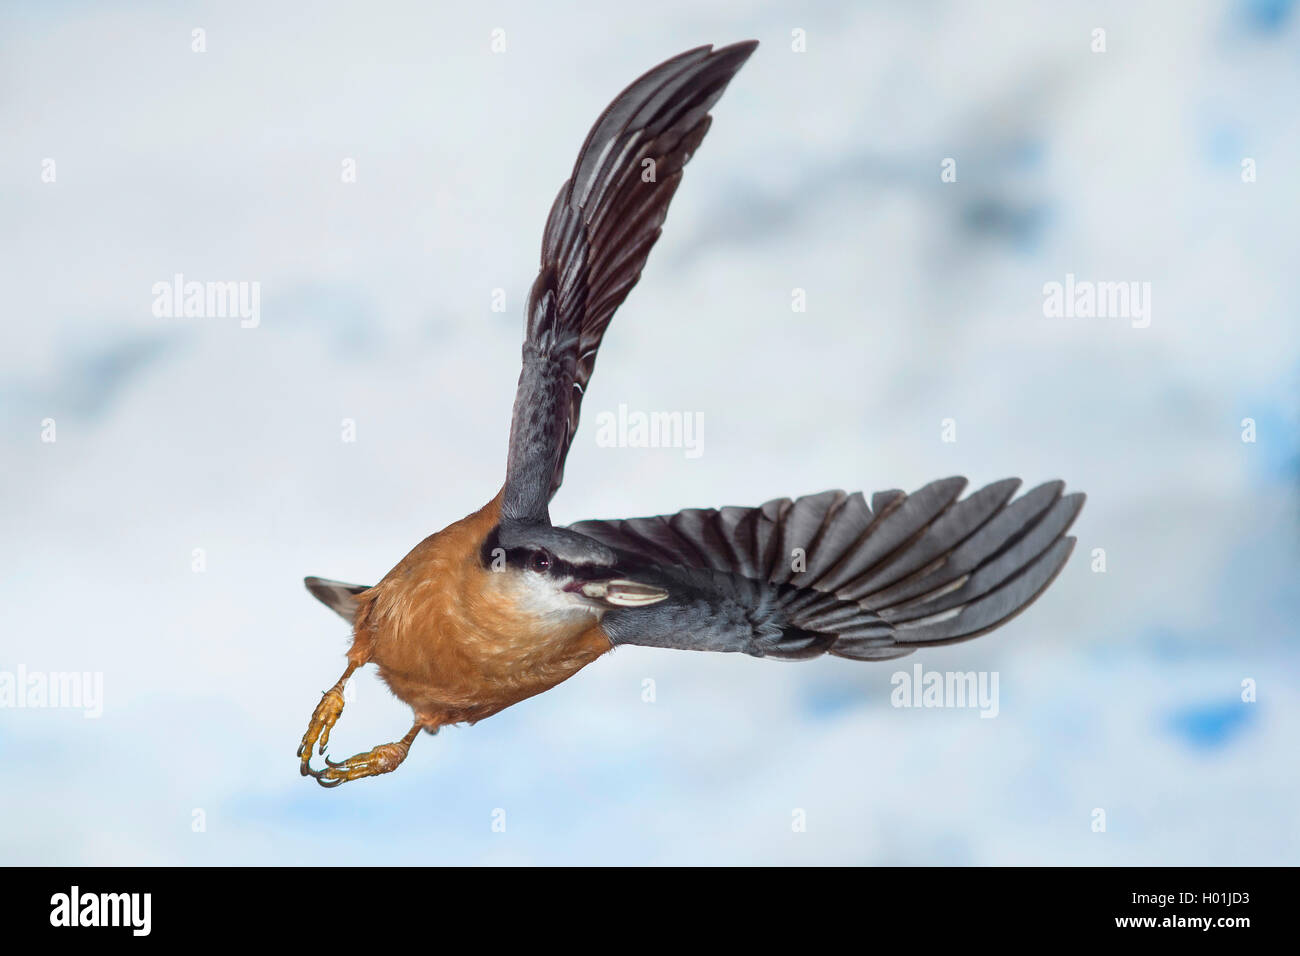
(564, 569)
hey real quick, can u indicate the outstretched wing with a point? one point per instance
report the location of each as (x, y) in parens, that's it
(600, 231)
(829, 573)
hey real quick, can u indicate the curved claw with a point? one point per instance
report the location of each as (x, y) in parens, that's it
(327, 776)
(307, 770)
(330, 783)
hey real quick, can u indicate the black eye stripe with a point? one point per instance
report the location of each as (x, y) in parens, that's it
(520, 559)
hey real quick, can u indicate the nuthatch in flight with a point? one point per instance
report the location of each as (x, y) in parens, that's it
(503, 605)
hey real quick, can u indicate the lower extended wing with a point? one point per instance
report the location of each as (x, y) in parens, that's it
(829, 573)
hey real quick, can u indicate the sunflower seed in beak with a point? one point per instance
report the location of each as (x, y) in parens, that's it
(621, 593)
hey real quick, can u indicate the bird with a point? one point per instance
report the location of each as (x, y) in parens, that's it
(503, 605)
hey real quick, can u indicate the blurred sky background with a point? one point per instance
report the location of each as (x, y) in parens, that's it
(1119, 690)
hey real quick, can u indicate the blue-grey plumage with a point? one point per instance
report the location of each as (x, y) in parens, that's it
(829, 574)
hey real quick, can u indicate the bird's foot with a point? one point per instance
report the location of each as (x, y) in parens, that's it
(322, 721)
(382, 759)
(327, 713)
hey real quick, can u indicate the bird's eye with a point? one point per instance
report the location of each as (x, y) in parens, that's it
(539, 561)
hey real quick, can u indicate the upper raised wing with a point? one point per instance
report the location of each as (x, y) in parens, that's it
(599, 233)
(829, 574)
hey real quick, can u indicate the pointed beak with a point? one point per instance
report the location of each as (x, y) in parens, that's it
(623, 593)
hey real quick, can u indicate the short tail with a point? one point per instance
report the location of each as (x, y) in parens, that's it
(338, 597)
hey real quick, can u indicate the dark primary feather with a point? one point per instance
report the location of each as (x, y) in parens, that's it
(598, 236)
(828, 573)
